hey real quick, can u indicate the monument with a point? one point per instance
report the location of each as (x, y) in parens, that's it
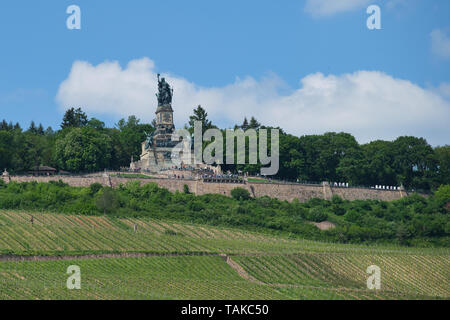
(156, 154)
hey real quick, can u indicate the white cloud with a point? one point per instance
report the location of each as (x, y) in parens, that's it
(440, 43)
(370, 105)
(444, 89)
(326, 8)
(330, 7)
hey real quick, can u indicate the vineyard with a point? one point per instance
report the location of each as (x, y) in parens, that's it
(172, 260)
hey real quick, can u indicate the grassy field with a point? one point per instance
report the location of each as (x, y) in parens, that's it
(167, 260)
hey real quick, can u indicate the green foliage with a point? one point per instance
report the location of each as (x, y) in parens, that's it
(170, 232)
(413, 220)
(95, 187)
(128, 139)
(316, 215)
(442, 195)
(186, 189)
(87, 145)
(83, 150)
(74, 118)
(107, 200)
(240, 194)
(201, 115)
(22, 150)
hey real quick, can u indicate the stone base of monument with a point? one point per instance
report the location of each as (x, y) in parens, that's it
(159, 159)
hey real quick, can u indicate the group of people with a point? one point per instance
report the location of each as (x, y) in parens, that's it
(386, 187)
(225, 177)
(340, 184)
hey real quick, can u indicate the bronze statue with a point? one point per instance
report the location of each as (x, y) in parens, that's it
(165, 93)
(149, 140)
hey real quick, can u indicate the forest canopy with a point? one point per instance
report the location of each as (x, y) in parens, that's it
(86, 145)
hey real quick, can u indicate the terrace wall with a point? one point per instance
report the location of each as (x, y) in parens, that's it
(273, 190)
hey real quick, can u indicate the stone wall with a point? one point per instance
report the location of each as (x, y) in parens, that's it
(273, 190)
(362, 194)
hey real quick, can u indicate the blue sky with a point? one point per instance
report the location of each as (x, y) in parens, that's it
(236, 58)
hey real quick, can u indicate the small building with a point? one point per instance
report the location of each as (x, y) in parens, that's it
(42, 171)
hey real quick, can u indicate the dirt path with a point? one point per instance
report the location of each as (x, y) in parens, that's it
(238, 268)
(244, 274)
(227, 258)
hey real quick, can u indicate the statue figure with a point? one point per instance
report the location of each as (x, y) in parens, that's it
(165, 93)
(149, 140)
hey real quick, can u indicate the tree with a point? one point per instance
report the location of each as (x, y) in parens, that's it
(442, 195)
(4, 125)
(201, 115)
(83, 149)
(413, 162)
(442, 155)
(254, 124)
(74, 119)
(32, 128)
(96, 124)
(131, 135)
(244, 125)
(6, 150)
(107, 200)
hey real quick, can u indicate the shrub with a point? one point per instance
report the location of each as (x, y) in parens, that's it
(58, 183)
(442, 195)
(336, 199)
(170, 232)
(338, 210)
(107, 200)
(317, 215)
(95, 187)
(186, 189)
(240, 194)
(352, 216)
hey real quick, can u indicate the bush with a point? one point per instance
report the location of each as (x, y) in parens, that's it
(240, 194)
(95, 187)
(337, 200)
(317, 215)
(442, 195)
(58, 183)
(170, 232)
(107, 201)
(186, 189)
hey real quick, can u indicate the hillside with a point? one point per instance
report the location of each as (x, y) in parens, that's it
(173, 260)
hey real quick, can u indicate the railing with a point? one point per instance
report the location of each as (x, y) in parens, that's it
(223, 180)
(253, 180)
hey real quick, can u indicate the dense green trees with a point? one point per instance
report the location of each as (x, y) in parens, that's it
(88, 145)
(81, 145)
(74, 119)
(131, 135)
(83, 150)
(19, 151)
